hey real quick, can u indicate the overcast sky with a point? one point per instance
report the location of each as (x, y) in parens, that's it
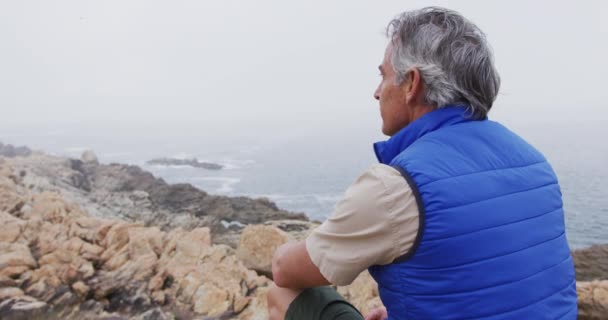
(273, 66)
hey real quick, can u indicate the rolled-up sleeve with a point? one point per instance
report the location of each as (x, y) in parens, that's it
(374, 223)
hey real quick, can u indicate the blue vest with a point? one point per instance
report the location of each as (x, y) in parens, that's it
(491, 242)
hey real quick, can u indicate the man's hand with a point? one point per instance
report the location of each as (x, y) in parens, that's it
(377, 314)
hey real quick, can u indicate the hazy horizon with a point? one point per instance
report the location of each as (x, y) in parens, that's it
(264, 68)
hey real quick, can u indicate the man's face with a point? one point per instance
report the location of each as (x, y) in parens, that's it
(392, 97)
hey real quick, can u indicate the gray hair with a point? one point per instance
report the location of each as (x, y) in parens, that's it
(452, 55)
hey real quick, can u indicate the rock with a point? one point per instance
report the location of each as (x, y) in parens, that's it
(192, 271)
(10, 201)
(184, 162)
(111, 316)
(132, 194)
(592, 299)
(15, 258)
(80, 288)
(240, 303)
(10, 227)
(64, 298)
(159, 297)
(10, 292)
(591, 263)
(51, 207)
(10, 151)
(257, 309)
(89, 157)
(78, 176)
(257, 245)
(23, 308)
(297, 229)
(153, 314)
(91, 306)
(7, 282)
(129, 268)
(362, 293)
(211, 300)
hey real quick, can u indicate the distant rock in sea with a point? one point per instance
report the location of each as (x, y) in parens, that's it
(185, 162)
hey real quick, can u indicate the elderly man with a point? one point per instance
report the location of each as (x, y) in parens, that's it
(462, 219)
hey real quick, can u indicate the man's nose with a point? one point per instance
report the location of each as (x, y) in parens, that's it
(377, 94)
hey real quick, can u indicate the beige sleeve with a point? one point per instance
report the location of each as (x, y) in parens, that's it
(374, 223)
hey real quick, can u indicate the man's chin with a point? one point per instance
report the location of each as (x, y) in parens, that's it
(387, 131)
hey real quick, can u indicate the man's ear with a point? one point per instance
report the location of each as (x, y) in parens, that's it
(412, 85)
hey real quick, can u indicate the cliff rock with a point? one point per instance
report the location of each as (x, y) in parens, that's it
(132, 194)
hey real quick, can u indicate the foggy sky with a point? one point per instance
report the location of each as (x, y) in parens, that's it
(273, 67)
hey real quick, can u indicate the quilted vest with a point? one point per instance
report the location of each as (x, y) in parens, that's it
(491, 242)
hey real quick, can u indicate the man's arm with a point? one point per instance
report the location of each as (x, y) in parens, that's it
(375, 222)
(293, 268)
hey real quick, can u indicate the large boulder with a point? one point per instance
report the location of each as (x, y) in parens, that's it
(89, 157)
(257, 245)
(15, 259)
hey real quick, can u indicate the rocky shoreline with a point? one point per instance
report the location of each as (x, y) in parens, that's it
(80, 239)
(132, 194)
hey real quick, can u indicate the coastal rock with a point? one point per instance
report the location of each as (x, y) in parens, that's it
(592, 299)
(591, 263)
(10, 151)
(257, 245)
(15, 259)
(89, 157)
(362, 293)
(23, 308)
(297, 229)
(129, 193)
(10, 292)
(257, 309)
(154, 314)
(11, 227)
(10, 201)
(55, 255)
(185, 162)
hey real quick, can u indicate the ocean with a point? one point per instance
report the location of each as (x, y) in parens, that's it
(310, 173)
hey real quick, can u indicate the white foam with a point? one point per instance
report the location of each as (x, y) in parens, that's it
(230, 163)
(165, 167)
(228, 224)
(293, 198)
(226, 183)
